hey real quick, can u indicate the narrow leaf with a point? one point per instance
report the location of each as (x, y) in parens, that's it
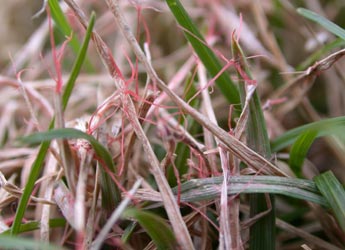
(324, 22)
(37, 165)
(64, 27)
(61, 22)
(262, 233)
(155, 226)
(17, 243)
(110, 191)
(324, 127)
(71, 133)
(34, 173)
(299, 151)
(209, 188)
(205, 54)
(78, 62)
(35, 225)
(182, 150)
(325, 49)
(334, 193)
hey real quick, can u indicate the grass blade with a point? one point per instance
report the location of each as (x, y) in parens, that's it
(205, 54)
(210, 188)
(64, 27)
(182, 150)
(35, 225)
(324, 127)
(37, 165)
(17, 243)
(110, 192)
(34, 173)
(299, 151)
(78, 62)
(262, 233)
(334, 193)
(155, 226)
(71, 133)
(97, 243)
(324, 22)
(315, 56)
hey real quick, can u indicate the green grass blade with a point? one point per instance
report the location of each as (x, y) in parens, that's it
(324, 127)
(159, 231)
(17, 243)
(127, 233)
(299, 151)
(78, 62)
(257, 137)
(182, 150)
(209, 188)
(302, 184)
(327, 48)
(334, 193)
(324, 22)
(62, 24)
(37, 165)
(35, 225)
(34, 173)
(205, 54)
(64, 27)
(71, 133)
(262, 233)
(110, 193)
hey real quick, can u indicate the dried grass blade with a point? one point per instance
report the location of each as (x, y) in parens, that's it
(305, 235)
(97, 243)
(227, 236)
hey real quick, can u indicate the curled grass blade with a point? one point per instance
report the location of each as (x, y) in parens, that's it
(334, 193)
(323, 128)
(155, 226)
(110, 192)
(205, 54)
(299, 151)
(71, 133)
(324, 22)
(37, 165)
